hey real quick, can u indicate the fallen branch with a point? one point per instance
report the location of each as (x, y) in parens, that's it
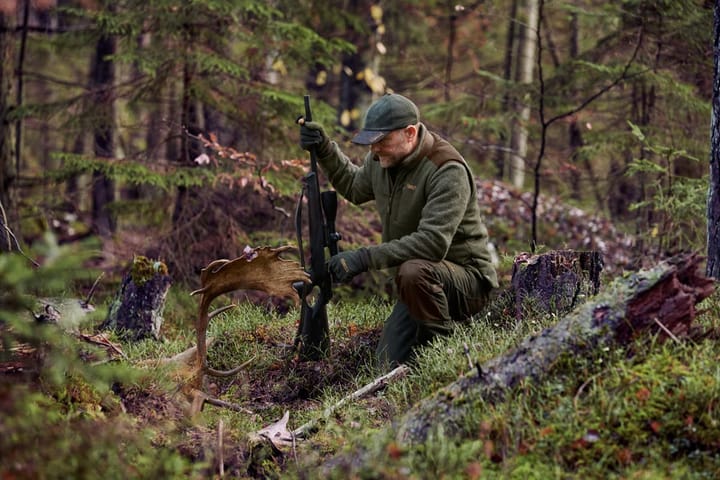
(229, 405)
(372, 387)
(220, 447)
(270, 441)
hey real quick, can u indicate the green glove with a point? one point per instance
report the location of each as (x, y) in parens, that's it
(345, 265)
(311, 134)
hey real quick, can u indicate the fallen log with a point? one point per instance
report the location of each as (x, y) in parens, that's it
(650, 302)
(378, 384)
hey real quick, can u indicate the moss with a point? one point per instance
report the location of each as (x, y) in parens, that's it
(144, 269)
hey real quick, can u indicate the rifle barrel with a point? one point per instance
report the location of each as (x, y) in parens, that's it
(308, 118)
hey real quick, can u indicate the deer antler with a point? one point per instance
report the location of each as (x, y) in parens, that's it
(257, 269)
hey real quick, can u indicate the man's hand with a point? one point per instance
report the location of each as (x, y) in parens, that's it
(311, 134)
(345, 265)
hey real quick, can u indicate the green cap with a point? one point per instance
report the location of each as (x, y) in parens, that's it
(390, 112)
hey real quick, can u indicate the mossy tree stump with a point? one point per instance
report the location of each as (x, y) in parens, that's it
(554, 282)
(136, 311)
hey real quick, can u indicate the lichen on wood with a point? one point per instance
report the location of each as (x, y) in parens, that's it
(136, 311)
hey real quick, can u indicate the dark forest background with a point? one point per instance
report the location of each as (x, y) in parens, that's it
(166, 128)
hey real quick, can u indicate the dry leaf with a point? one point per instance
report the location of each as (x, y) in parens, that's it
(278, 433)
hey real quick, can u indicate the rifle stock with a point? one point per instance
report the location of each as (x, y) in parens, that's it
(312, 339)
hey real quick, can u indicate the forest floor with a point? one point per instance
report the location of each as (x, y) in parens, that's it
(76, 406)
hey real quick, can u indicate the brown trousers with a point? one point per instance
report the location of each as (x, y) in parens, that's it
(432, 297)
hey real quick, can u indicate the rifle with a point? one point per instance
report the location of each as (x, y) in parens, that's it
(312, 336)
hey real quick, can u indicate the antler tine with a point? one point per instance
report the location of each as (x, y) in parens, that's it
(228, 373)
(208, 295)
(201, 332)
(220, 310)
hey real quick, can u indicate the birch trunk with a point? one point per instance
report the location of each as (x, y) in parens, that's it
(525, 69)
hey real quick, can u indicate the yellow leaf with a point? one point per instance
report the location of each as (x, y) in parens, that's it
(345, 118)
(377, 84)
(321, 78)
(376, 13)
(279, 66)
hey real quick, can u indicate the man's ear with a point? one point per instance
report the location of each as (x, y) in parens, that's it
(411, 131)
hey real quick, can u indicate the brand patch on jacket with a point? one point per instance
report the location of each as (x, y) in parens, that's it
(410, 186)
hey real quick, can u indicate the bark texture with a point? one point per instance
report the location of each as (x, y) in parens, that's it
(631, 306)
(7, 175)
(102, 78)
(713, 200)
(137, 308)
(554, 282)
(525, 68)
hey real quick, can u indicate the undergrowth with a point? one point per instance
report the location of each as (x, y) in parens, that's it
(648, 411)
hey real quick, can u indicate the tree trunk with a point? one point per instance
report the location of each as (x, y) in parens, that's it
(500, 154)
(6, 171)
(352, 90)
(103, 188)
(526, 65)
(136, 311)
(651, 302)
(713, 201)
(185, 202)
(73, 196)
(449, 54)
(357, 89)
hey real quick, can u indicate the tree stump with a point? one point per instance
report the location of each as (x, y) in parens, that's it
(136, 311)
(554, 282)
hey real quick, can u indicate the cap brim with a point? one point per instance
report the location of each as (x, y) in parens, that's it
(368, 137)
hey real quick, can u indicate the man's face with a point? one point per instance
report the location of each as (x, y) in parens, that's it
(395, 146)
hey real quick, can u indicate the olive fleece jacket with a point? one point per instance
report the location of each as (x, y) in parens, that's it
(427, 204)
